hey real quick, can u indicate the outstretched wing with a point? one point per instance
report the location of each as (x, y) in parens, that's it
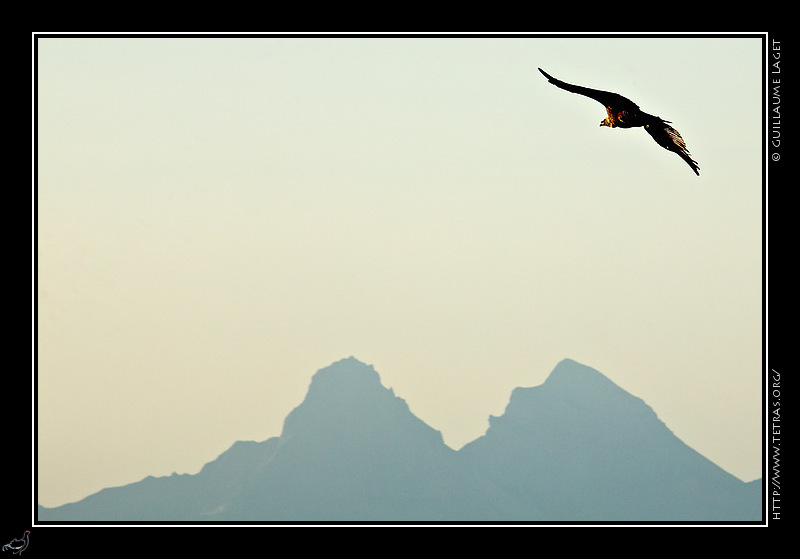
(669, 138)
(610, 100)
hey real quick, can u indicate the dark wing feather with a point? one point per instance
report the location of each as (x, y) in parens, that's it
(669, 138)
(607, 98)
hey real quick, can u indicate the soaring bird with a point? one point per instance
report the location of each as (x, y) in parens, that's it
(624, 113)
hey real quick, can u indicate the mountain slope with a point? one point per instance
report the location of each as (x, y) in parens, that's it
(177, 497)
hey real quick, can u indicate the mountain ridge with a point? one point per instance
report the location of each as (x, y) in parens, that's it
(353, 451)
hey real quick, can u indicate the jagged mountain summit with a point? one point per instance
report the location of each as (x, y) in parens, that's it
(353, 451)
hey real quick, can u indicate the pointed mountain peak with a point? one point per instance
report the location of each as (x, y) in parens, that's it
(571, 375)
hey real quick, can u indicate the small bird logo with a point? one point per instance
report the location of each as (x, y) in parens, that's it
(17, 546)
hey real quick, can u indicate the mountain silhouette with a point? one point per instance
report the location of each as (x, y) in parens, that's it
(586, 450)
(576, 448)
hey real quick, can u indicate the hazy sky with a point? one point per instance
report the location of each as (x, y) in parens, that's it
(220, 218)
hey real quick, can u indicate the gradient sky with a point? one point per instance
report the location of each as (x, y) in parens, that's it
(220, 218)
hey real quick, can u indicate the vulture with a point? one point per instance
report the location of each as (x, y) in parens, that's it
(624, 113)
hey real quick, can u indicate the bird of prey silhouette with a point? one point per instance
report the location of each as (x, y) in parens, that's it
(624, 113)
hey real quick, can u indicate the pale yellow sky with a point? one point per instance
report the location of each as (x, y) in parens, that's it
(220, 218)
